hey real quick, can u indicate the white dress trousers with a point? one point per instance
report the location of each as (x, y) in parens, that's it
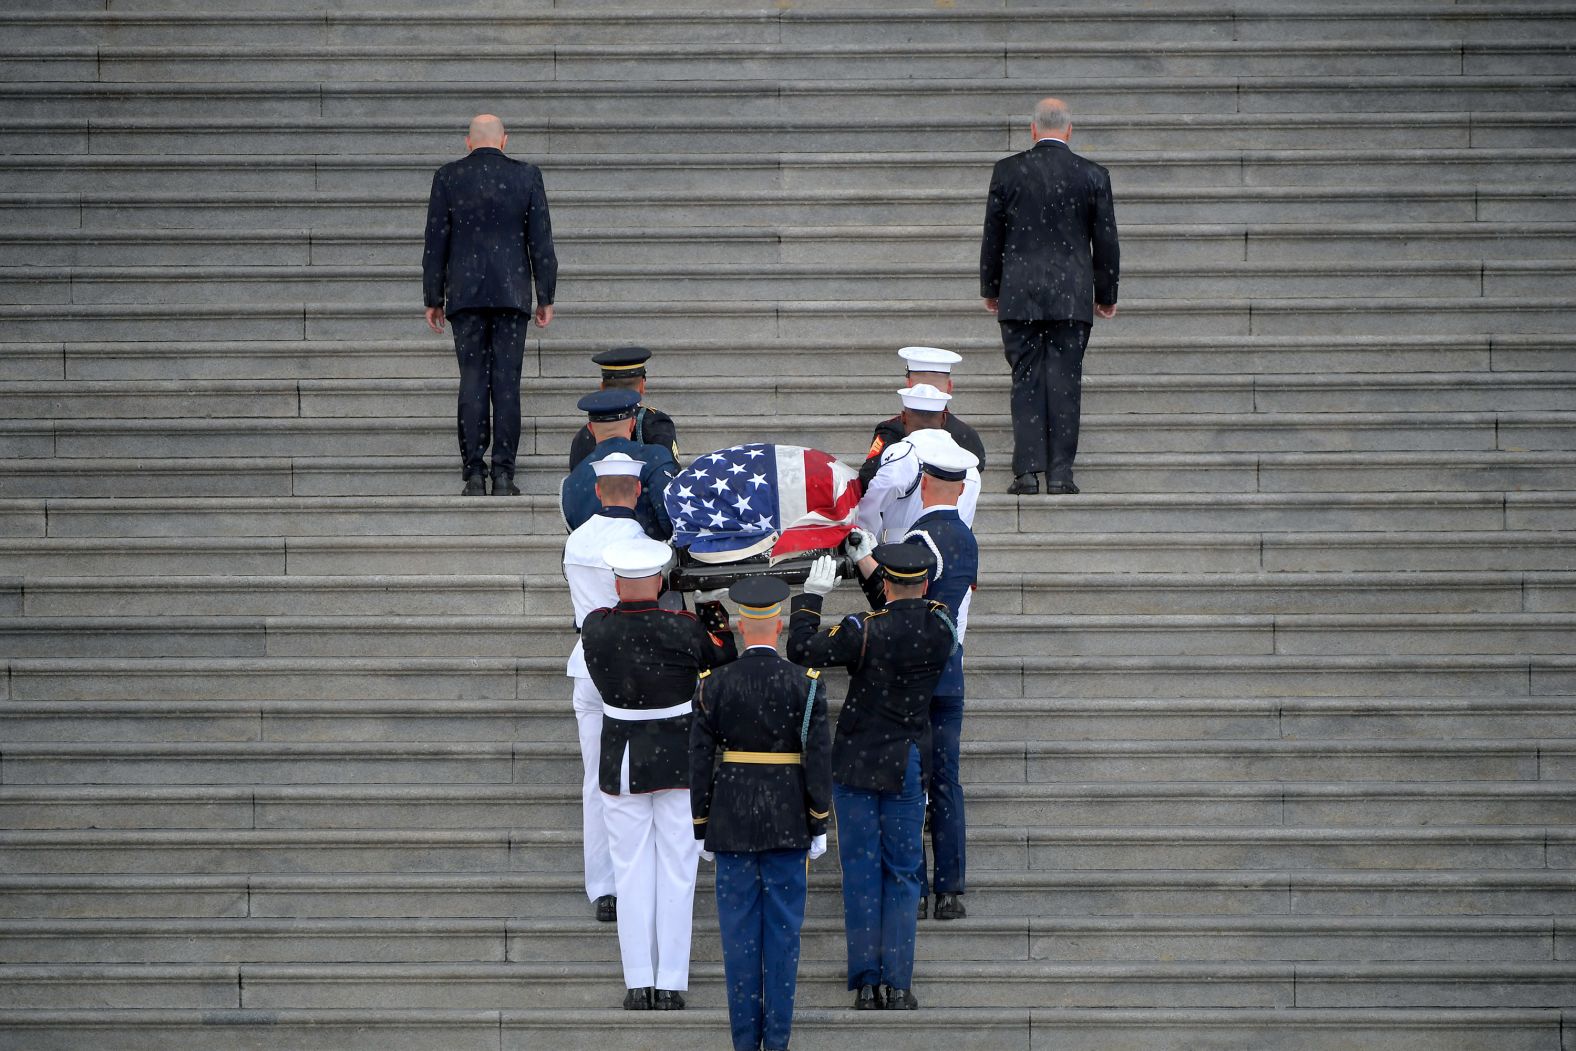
(593, 823)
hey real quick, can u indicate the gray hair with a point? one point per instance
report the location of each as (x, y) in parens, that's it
(1052, 115)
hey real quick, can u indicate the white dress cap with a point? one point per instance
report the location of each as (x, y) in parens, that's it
(938, 449)
(617, 464)
(639, 556)
(925, 398)
(929, 359)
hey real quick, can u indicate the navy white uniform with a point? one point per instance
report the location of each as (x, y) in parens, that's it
(880, 759)
(760, 792)
(591, 587)
(645, 661)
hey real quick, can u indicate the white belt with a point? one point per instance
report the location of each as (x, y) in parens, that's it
(641, 715)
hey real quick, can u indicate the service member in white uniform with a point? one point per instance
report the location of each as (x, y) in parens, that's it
(645, 662)
(891, 503)
(591, 587)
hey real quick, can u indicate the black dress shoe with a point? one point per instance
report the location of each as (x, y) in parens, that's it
(1066, 488)
(867, 999)
(950, 907)
(1024, 485)
(924, 907)
(607, 909)
(667, 1000)
(503, 485)
(899, 999)
(475, 485)
(638, 999)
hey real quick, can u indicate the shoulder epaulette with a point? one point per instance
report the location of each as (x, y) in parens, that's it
(812, 673)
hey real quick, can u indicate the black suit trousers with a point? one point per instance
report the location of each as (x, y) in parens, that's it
(1047, 387)
(490, 346)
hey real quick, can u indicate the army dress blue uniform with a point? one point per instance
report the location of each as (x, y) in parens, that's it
(577, 497)
(881, 761)
(760, 791)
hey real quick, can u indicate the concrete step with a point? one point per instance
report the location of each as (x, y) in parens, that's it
(688, 60)
(1153, 244)
(999, 592)
(973, 984)
(533, 896)
(938, 1029)
(1114, 353)
(1491, 199)
(872, 396)
(1476, 23)
(1103, 804)
(984, 762)
(1224, 938)
(544, 719)
(991, 849)
(1006, 130)
(404, 178)
(700, 283)
(550, 635)
(1110, 432)
(949, 321)
(776, 100)
(541, 475)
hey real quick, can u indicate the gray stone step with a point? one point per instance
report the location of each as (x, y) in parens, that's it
(688, 60)
(1226, 938)
(937, 1029)
(1075, 894)
(984, 762)
(793, 26)
(702, 283)
(1005, 131)
(1171, 245)
(773, 100)
(1486, 200)
(991, 849)
(544, 719)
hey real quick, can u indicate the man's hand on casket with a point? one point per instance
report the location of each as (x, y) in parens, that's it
(823, 576)
(859, 546)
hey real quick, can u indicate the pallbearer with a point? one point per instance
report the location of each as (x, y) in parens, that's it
(645, 661)
(624, 368)
(922, 366)
(761, 792)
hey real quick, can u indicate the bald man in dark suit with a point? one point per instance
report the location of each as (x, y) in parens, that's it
(1048, 264)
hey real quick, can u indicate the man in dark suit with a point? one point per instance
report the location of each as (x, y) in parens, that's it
(489, 239)
(1048, 263)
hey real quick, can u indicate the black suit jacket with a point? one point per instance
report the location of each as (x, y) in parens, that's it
(760, 703)
(489, 237)
(1049, 251)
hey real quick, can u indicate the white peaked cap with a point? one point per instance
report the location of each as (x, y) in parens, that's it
(925, 398)
(929, 359)
(617, 464)
(938, 449)
(638, 556)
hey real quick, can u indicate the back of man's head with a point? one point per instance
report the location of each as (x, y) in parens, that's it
(896, 592)
(638, 589)
(1052, 119)
(920, 420)
(618, 490)
(602, 430)
(634, 383)
(759, 632)
(486, 131)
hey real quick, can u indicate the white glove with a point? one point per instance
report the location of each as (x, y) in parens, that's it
(708, 855)
(823, 576)
(715, 595)
(817, 846)
(859, 545)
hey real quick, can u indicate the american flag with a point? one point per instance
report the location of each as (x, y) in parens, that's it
(748, 498)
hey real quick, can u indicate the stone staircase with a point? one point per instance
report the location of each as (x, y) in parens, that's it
(1271, 737)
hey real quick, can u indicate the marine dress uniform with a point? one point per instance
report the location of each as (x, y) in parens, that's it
(891, 500)
(940, 529)
(645, 661)
(591, 587)
(880, 762)
(577, 497)
(652, 426)
(761, 793)
(891, 431)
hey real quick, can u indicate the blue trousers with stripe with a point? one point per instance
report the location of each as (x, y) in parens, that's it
(760, 908)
